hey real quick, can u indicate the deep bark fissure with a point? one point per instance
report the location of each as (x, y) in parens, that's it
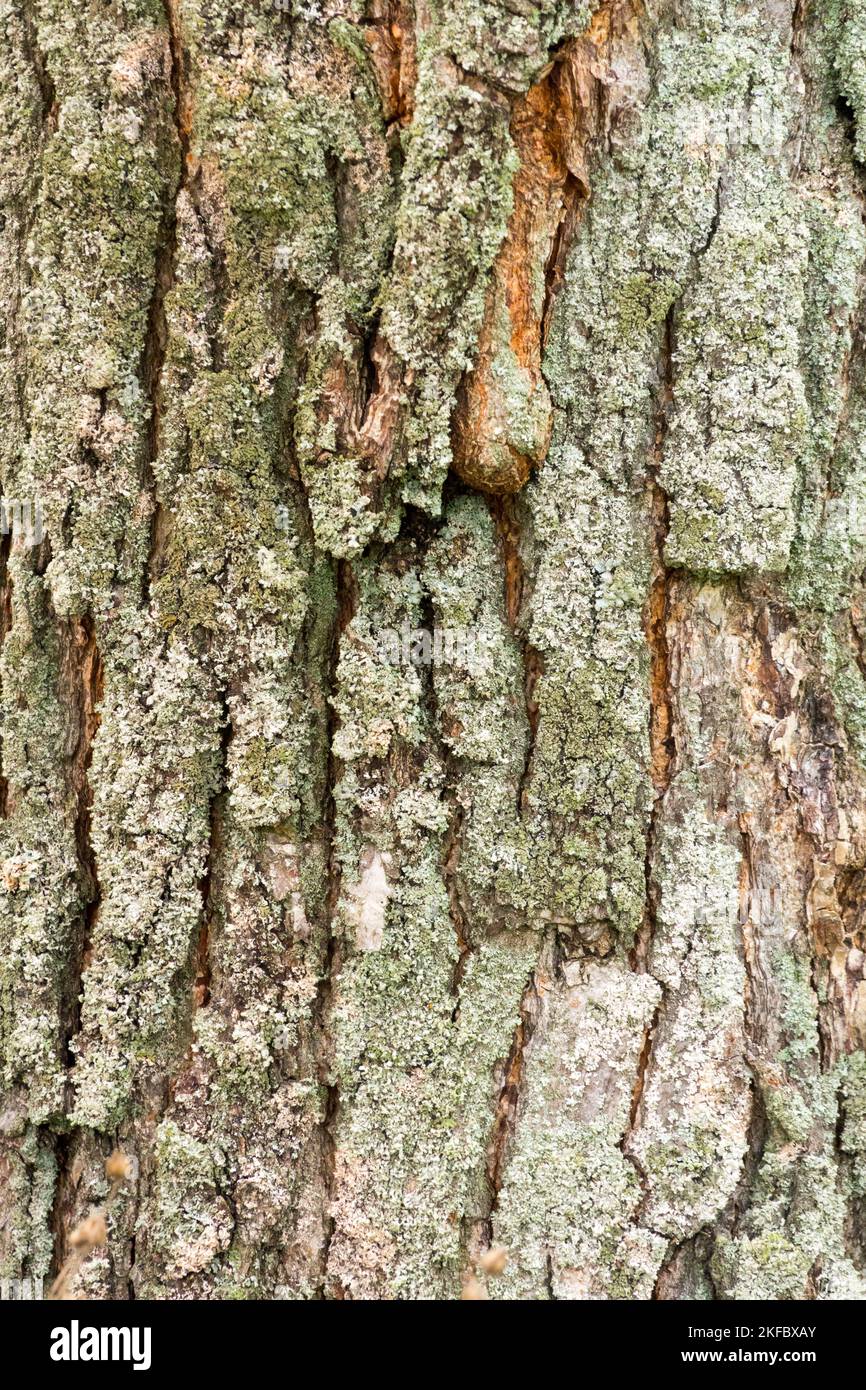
(450, 866)
(5, 625)
(799, 15)
(219, 805)
(508, 1100)
(662, 745)
(346, 604)
(165, 277)
(40, 67)
(165, 272)
(130, 1282)
(507, 520)
(574, 196)
(511, 1091)
(752, 1015)
(63, 1200)
(85, 678)
(391, 38)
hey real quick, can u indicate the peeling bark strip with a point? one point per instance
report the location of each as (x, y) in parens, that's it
(504, 416)
(532, 966)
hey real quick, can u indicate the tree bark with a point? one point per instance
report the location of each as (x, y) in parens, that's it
(433, 798)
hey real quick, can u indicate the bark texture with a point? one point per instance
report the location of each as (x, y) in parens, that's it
(433, 798)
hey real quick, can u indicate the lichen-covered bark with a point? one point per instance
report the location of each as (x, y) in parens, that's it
(433, 782)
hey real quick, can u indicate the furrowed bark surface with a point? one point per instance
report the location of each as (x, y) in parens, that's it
(433, 782)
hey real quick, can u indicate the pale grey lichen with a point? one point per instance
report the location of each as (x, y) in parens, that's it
(692, 1134)
(570, 1195)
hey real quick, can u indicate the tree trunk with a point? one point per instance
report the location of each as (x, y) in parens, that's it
(433, 799)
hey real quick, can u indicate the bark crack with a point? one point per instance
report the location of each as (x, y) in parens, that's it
(165, 278)
(506, 518)
(505, 1118)
(390, 36)
(84, 679)
(216, 840)
(757, 1132)
(450, 863)
(662, 746)
(41, 71)
(5, 626)
(346, 602)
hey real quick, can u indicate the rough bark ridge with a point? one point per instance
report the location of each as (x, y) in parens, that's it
(433, 796)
